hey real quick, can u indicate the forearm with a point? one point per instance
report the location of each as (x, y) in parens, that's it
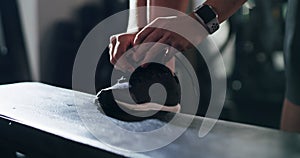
(290, 119)
(225, 8)
(137, 17)
(180, 5)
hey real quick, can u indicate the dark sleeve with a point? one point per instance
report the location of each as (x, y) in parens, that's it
(292, 52)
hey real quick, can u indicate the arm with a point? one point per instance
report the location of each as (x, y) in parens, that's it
(120, 43)
(290, 119)
(137, 18)
(224, 9)
(150, 33)
(180, 5)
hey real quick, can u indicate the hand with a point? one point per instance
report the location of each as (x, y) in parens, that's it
(153, 32)
(119, 44)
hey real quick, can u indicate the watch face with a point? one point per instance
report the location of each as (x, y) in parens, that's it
(206, 13)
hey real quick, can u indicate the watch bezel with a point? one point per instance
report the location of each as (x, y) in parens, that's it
(211, 23)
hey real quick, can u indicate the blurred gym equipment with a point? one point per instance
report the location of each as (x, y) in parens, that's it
(61, 42)
(13, 58)
(257, 84)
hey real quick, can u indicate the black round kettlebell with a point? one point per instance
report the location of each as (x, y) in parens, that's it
(138, 85)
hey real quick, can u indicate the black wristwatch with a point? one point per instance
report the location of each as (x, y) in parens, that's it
(207, 17)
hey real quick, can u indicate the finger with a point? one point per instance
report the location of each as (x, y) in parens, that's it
(123, 69)
(180, 43)
(120, 47)
(111, 49)
(169, 54)
(141, 36)
(153, 37)
(156, 50)
(123, 65)
(140, 52)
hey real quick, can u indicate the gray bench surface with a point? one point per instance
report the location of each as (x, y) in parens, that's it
(40, 118)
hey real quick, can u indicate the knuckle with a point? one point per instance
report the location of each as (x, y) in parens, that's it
(168, 34)
(158, 19)
(112, 61)
(169, 38)
(122, 36)
(110, 52)
(110, 47)
(112, 39)
(137, 37)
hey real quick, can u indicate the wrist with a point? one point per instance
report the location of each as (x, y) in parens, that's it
(133, 30)
(196, 19)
